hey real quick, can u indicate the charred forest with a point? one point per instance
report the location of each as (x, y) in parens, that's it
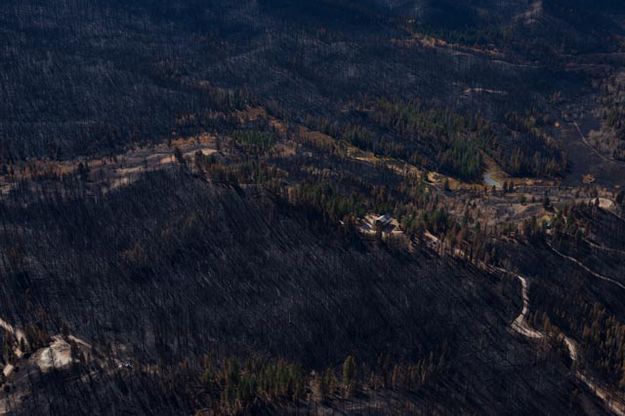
(319, 207)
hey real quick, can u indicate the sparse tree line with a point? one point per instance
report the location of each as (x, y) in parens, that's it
(528, 36)
(234, 386)
(601, 334)
(441, 139)
(612, 103)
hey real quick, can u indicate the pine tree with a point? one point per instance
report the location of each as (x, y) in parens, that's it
(546, 201)
(179, 157)
(349, 375)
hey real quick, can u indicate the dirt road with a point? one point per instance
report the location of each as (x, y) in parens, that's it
(586, 268)
(519, 325)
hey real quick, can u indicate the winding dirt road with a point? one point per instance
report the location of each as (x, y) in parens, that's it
(586, 268)
(604, 248)
(520, 326)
